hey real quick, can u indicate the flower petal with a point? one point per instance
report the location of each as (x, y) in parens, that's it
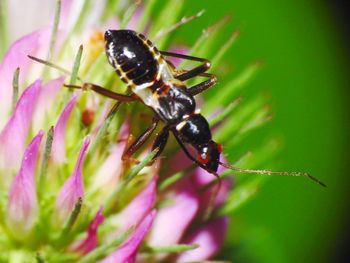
(139, 207)
(173, 220)
(209, 237)
(14, 134)
(46, 100)
(90, 242)
(109, 172)
(126, 253)
(58, 145)
(72, 189)
(22, 205)
(16, 57)
(66, 8)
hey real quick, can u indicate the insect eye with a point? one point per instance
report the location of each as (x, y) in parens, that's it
(203, 157)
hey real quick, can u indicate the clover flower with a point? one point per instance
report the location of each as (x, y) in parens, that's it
(66, 195)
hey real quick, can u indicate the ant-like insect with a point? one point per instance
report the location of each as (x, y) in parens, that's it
(156, 82)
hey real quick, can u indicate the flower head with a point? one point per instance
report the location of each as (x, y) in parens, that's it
(72, 194)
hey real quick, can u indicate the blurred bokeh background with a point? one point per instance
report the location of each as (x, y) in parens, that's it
(304, 47)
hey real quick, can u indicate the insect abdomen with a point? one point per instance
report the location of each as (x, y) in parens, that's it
(132, 56)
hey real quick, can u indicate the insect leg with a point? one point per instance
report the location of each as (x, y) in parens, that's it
(140, 140)
(193, 72)
(199, 88)
(160, 141)
(105, 92)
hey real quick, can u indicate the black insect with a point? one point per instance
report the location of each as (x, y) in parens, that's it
(155, 81)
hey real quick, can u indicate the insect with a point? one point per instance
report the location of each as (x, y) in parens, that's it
(155, 82)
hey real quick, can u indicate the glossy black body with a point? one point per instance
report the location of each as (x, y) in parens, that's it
(127, 53)
(174, 103)
(138, 62)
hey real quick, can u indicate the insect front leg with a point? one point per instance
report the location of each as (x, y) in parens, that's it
(199, 88)
(140, 140)
(203, 67)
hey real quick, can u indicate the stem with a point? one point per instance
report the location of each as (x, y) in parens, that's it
(15, 88)
(76, 66)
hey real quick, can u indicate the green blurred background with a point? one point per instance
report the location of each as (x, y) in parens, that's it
(305, 74)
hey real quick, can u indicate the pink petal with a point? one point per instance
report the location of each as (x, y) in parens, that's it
(126, 253)
(108, 174)
(173, 220)
(66, 7)
(139, 207)
(16, 57)
(209, 237)
(90, 242)
(14, 134)
(46, 101)
(58, 145)
(174, 166)
(72, 189)
(22, 205)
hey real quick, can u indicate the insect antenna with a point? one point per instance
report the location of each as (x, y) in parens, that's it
(269, 172)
